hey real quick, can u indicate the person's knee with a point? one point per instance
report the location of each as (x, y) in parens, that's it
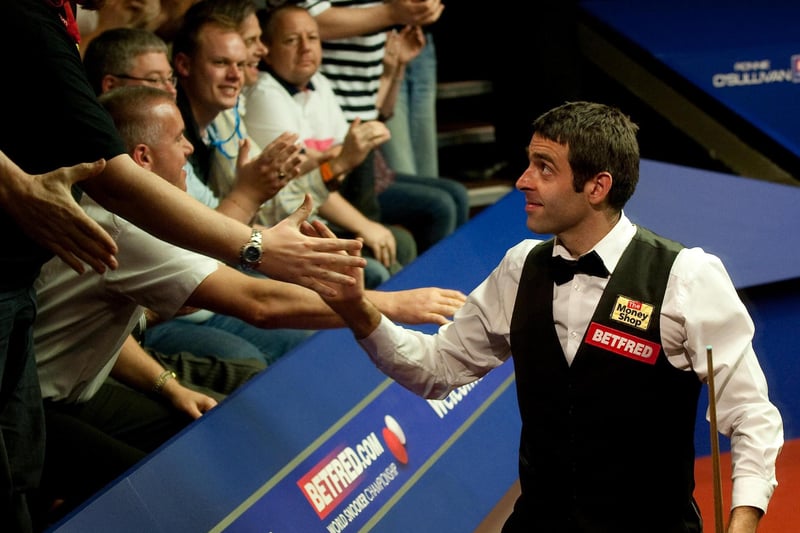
(460, 197)
(444, 217)
(406, 245)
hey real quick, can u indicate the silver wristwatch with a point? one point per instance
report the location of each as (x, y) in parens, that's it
(250, 254)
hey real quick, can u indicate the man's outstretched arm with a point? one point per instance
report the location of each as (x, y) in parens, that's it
(172, 215)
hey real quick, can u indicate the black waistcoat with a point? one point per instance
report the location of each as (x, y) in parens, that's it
(607, 443)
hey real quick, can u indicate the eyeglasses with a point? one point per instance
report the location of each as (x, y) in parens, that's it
(172, 81)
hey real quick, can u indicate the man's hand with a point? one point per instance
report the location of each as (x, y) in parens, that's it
(193, 403)
(402, 47)
(262, 177)
(293, 253)
(428, 305)
(45, 210)
(413, 306)
(361, 139)
(381, 241)
(360, 315)
(416, 12)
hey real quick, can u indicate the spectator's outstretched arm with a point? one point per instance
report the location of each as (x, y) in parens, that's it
(426, 305)
(169, 213)
(44, 208)
(268, 303)
(316, 264)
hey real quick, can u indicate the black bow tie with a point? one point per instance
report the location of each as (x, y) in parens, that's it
(562, 270)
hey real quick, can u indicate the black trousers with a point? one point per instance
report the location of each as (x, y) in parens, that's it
(90, 444)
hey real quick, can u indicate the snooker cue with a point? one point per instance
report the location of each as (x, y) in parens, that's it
(712, 408)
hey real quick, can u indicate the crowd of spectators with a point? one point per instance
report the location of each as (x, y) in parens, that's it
(143, 172)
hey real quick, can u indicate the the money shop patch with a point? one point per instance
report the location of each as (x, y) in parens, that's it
(632, 312)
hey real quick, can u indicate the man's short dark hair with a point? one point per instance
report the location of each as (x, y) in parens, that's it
(268, 18)
(204, 12)
(130, 108)
(600, 138)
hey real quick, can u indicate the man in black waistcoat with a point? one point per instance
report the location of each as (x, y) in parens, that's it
(609, 325)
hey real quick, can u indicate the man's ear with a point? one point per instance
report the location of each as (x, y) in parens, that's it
(599, 187)
(181, 64)
(108, 82)
(142, 156)
(266, 58)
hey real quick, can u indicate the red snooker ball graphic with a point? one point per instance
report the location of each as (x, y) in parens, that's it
(395, 439)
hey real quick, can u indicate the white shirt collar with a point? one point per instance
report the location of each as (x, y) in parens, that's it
(610, 247)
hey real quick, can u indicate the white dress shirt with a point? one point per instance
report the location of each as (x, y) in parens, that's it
(701, 308)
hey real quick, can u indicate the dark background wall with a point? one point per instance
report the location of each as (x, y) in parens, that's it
(531, 53)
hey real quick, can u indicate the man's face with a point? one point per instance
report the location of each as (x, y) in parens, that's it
(213, 78)
(250, 31)
(151, 69)
(169, 153)
(295, 52)
(551, 203)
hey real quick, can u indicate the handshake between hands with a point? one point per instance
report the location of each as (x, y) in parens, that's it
(342, 288)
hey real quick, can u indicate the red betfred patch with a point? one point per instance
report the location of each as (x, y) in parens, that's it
(621, 343)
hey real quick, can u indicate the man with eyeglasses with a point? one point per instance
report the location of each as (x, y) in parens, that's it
(128, 56)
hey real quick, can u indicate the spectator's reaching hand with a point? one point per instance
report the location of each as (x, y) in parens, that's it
(426, 305)
(44, 208)
(293, 253)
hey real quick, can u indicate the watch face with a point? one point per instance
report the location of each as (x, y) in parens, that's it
(251, 254)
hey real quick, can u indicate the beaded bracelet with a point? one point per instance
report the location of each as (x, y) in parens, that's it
(165, 376)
